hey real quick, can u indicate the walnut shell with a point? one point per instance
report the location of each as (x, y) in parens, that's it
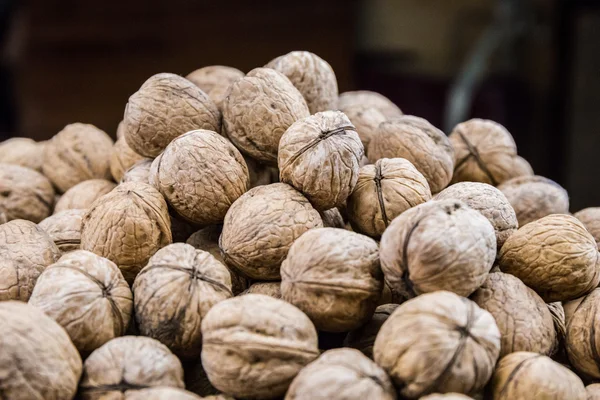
(24, 193)
(272, 289)
(590, 218)
(126, 364)
(64, 228)
(524, 375)
(490, 202)
(260, 227)
(200, 174)
(534, 197)
(342, 374)
(166, 106)
(161, 393)
(332, 218)
(334, 276)
(87, 296)
(25, 251)
(215, 81)
(363, 337)
(555, 256)
(139, 172)
(320, 157)
(438, 342)
(77, 153)
(122, 158)
(82, 195)
(174, 292)
(593, 391)
(524, 320)
(370, 99)
(312, 76)
(256, 357)
(37, 361)
(385, 190)
(438, 245)
(259, 109)
(120, 130)
(115, 224)
(570, 307)
(22, 151)
(366, 120)
(446, 396)
(582, 343)
(415, 139)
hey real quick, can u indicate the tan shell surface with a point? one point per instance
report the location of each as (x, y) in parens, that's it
(161, 393)
(127, 226)
(77, 153)
(560, 322)
(254, 345)
(138, 172)
(25, 251)
(333, 275)
(366, 120)
(583, 340)
(490, 202)
(438, 245)
(166, 106)
(363, 338)
(272, 289)
(64, 228)
(371, 99)
(524, 320)
(260, 227)
(525, 375)
(200, 174)
(87, 295)
(342, 374)
(122, 158)
(215, 81)
(129, 363)
(175, 291)
(259, 109)
(22, 151)
(534, 197)
(590, 218)
(37, 361)
(82, 195)
(421, 143)
(385, 190)
(438, 342)
(570, 307)
(24, 193)
(446, 396)
(320, 157)
(555, 256)
(593, 391)
(312, 76)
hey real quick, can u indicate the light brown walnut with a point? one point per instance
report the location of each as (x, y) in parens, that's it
(366, 120)
(22, 151)
(272, 289)
(370, 99)
(593, 391)
(122, 158)
(82, 195)
(363, 338)
(590, 218)
(139, 172)
(215, 81)
(64, 228)
(24, 193)
(583, 341)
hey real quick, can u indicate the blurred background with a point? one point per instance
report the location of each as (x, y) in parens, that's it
(532, 65)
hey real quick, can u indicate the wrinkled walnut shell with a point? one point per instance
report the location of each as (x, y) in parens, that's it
(122, 158)
(22, 151)
(82, 195)
(582, 342)
(366, 120)
(64, 228)
(593, 391)
(139, 172)
(590, 218)
(363, 338)
(370, 99)
(24, 193)
(215, 81)
(272, 289)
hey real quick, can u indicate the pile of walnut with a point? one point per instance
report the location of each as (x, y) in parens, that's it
(258, 236)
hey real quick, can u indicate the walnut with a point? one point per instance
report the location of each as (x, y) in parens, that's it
(122, 158)
(320, 156)
(371, 99)
(366, 120)
(256, 357)
(82, 195)
(593, 391)
(139, 172)
(385, 190)
(438, 245)
(415, 139)
(161, 393)
(524, 320)
(87, 296)
(581, 341)
(24, 193)
(534, 197)
(446, 396)
(260, 227)
(64, 228)
(77, 153)
(215, 81)
(174, 292)
(524, 375)
(165, 107)
(22, 151)
(590, 218)
(555, 256)
(312, 76)
(334, 276)
(438, 342)
(560, 327)
(272, 289)
(200, 174)
(25, 251)
(343, 374)
(37, 361)
(489, 201)
(127, 364)
(115, 224)
(259, 109)
(570, 307)
(363, 337)
(332, 218)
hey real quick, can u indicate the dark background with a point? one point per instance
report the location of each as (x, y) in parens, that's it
(68, 61)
